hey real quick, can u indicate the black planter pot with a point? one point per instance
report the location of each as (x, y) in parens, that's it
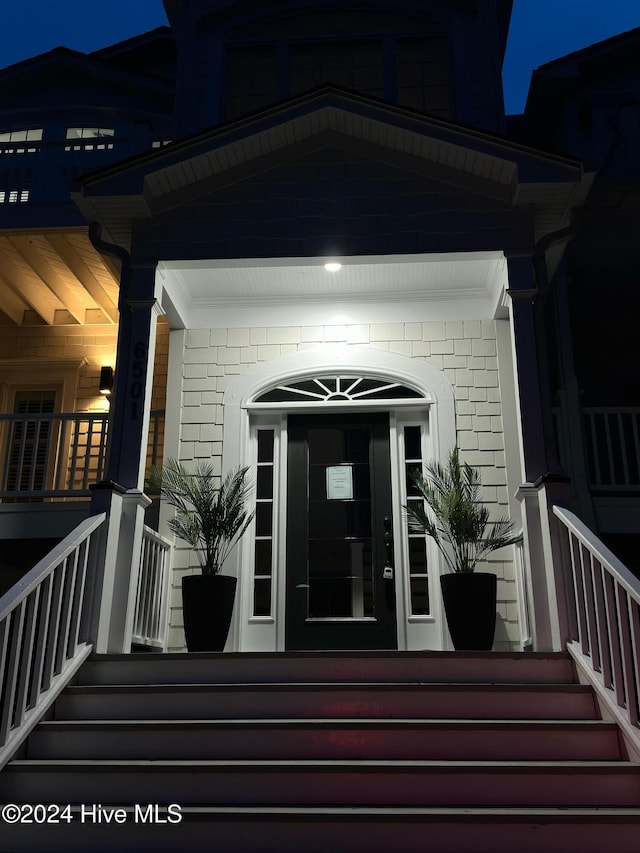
(207, 603)
(470, 606)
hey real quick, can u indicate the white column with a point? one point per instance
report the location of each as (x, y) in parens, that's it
(116, 578)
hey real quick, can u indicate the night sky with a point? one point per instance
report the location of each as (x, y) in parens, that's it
(541, 30)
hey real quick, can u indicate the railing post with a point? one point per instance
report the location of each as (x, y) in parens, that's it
(116, 574)
(544, 566)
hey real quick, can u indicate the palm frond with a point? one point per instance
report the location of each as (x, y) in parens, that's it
(210, 516)
(454, 516)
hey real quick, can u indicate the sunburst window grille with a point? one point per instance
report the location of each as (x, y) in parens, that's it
(339, 389)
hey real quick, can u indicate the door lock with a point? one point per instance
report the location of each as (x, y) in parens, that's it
(387, 573)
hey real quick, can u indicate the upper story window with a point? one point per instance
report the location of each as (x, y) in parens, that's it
(89, 138)
(353, 64)
(15, 185)
(412, 71)
(20, 141)
(252, 78)
(14, 196)
(422, 74)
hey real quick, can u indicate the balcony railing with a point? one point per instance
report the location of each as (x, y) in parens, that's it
(609, 448)
(59, 456)
(612, 443)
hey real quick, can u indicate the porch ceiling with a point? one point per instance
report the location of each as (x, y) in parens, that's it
(229, 292)
(55, 277)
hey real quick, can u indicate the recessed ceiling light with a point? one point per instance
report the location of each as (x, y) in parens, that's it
(333, 266)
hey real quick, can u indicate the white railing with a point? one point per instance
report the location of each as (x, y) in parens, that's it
(60, 455)
(524, 617)
(52, 455)
(612, 444)
(44, 630)
(152, 597)
(604, 620)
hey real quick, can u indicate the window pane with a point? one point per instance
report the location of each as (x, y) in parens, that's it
(412, 470)
(264, 485)
(263, 556)
(419, 597)
(89, 132)
(265, 445)
(417, 555)
(264, 514)
(412, 446)
(422, 73)
(353, 64)
(251, 79)
(262, 597)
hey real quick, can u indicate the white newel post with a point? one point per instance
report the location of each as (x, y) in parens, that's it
(121, 495)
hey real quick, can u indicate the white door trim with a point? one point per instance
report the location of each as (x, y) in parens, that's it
(237, 447)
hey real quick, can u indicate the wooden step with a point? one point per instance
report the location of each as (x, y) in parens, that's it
(475, 740)
(314, 752)
(295, 667)
(331, 701)
(261, 829)
(355, 783)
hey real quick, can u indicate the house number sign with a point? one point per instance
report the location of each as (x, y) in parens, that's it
(136, 386)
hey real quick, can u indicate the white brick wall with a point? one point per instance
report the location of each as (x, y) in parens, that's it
(465, 350)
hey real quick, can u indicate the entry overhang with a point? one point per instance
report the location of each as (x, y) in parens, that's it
(188, 170)
(294, 291)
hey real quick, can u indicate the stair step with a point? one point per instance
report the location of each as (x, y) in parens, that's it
(313, 751)
(260, 829)
(532, 740)
(427, 701)
(356, 783)
(259, 667)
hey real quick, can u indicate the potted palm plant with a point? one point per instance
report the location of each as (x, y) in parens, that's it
(454, 517)
(211, 516)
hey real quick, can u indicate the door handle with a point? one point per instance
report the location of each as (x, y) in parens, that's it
(387, 574)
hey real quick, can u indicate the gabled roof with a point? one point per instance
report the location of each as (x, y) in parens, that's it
(159, 34)
(197, 166)
(606, 49)
(613, 59)
(40, 68)
(153, 53)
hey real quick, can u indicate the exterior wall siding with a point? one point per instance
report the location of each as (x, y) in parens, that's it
(95, 344)
(464, 350)
(334, 201)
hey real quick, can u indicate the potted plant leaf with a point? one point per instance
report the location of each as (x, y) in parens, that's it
(452, 514)
(211, 516)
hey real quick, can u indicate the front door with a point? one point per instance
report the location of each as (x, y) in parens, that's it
(338, 594)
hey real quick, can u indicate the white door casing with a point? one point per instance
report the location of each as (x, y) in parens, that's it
(243, 416)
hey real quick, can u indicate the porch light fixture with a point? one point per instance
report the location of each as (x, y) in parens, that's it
(106, 380)
(333, 266)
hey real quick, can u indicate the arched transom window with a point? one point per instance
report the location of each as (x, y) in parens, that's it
(340, 388)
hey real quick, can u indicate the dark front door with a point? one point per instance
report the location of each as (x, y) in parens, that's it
(338, 497)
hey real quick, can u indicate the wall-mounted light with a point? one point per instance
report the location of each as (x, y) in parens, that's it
(333, 266)
(106, 380)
